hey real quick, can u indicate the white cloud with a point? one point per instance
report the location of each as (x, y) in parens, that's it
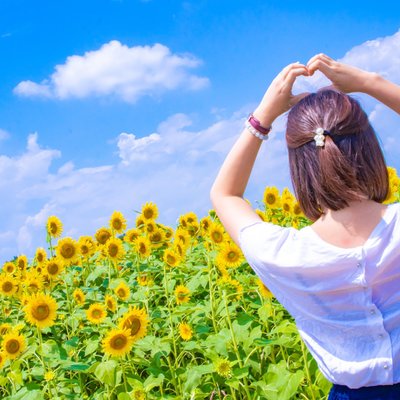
(174, 166)
(117, 70)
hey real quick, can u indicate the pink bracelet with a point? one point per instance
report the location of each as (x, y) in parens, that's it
(255, 123)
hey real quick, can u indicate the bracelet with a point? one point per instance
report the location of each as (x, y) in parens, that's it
(255, 132)
(256, 124)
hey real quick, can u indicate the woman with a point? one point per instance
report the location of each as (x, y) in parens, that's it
(339, 277)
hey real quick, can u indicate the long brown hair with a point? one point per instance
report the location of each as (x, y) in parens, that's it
(350, 166)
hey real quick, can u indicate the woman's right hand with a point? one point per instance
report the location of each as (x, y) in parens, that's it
(345, 78)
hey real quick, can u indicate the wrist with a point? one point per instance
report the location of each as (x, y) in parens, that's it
(371, 82)
(264, 116)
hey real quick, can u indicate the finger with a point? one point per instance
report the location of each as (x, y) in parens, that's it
(322, 57)
(291, 67)
(294, 73)
(320, 65)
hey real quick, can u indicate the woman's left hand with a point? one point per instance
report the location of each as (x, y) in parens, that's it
(279, 97)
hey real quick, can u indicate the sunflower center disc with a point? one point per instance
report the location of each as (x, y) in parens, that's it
(53, 228)
(113, 250)
(12, 346)
(96, 313)
(134, 326)
(7, 287)
(148, 214)
(117, 224)
(41, 312)
(270, 199)
(231, 255)
(119, 342)
(52, 269)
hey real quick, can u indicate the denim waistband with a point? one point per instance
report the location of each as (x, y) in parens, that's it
(384, 392)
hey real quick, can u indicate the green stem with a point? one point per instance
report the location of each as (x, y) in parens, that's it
(235, 346)
(124, 376)
(303, 350)
(211, 288)
(172, 330)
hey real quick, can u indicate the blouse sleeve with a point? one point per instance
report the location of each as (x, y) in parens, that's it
(268, 249)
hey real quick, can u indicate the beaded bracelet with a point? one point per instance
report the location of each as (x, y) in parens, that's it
(255, 132)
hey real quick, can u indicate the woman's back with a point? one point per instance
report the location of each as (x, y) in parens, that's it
(345, 301)
(351, 226)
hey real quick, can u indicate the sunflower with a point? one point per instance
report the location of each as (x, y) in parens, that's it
(131, 235)
(182, 294)
(49, 376)
(96, 313)
(193, 229)
(117, 222)
(185, 331)
(113, 249)
(54, 267)
(150, 211)
(223, 367)
(117, 343)
(102, 235)
(54, 227)
(182, 221)
(33, 283)
(142, 247)
(41, 310)
(122, 291)
(264, 291)
(297, 211)
(8, 285)
(216, 233)
(22, 262)
(67, 250)
(271, 197)
(4, 328)
(205, 224)
(3, 359)
(230, 255)
(86, 246)
(40, 255)
(9, 267)
(79, 296)
(168, 232)
(144, 280)
(136, 321)
(150, 226)
(137, 394)
(261, 214)
(171, 258)
(233, 286)
(157, 238)
(13, 345)
(110, 303)
(182, 236)
(140, 221)
(179, 249)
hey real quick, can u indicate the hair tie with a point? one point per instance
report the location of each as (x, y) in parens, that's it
(319, 137)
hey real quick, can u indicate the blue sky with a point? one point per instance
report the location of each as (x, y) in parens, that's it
(107, 104)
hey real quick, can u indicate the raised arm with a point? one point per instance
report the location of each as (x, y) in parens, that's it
(350, 79)
(227, 191)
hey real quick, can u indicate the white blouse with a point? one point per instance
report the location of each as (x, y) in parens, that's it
(346, 302)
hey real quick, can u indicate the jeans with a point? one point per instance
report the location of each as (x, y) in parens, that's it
(385, 392)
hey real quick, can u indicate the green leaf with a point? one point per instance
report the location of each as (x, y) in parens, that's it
(74, 366)
(91, 346)
(152, 382)
(106, 372)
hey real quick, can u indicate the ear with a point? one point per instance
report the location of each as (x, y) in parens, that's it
(295, 99)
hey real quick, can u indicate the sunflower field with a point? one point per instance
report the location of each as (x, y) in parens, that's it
(152, 312)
